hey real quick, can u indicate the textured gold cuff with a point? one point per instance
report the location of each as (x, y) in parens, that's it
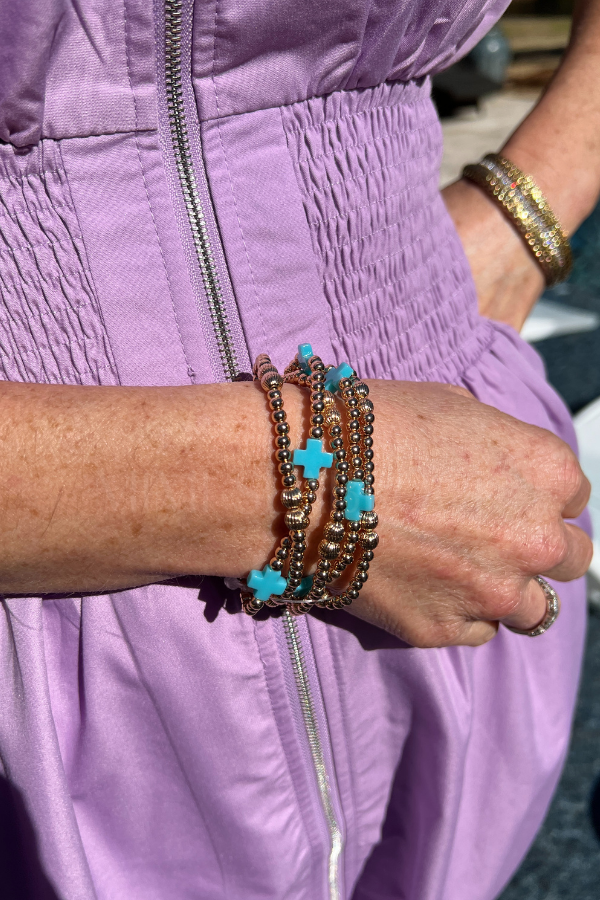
(528, 210)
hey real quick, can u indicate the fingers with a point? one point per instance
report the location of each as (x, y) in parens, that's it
(531, 610)
(476, 633)
(457, 389)
(575, 506)
(577, 555)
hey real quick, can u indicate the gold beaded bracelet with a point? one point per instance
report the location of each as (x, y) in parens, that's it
(352, 518)
(528, 210)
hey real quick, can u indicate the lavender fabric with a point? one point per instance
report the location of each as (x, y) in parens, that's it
(152, 740)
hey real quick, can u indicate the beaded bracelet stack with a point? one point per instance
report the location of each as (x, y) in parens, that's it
(352, 518)
(528, 210)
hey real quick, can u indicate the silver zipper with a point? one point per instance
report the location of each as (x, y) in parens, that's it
(189, 187)
(316, 751)
(210, 277)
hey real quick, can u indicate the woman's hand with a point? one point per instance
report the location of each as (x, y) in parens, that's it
(507, 277)
(472, 504)
(558, 144)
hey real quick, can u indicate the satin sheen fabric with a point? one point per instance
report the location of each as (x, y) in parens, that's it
(153, 736)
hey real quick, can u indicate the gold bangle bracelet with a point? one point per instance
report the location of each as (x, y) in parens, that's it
(526, 207)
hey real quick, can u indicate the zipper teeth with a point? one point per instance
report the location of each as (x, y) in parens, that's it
(189, 187)
(316, 750)
(210, 278)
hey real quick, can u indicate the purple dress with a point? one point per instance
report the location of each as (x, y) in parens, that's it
(183, 185)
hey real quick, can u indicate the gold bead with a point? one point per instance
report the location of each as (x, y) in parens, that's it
(328, 399)
(295, 519)
(271, 381)
(366, 406)
(368, 539)
(329, 549)
(292, 498)
(334, 531)
(251, 605)
(369, 519)
(331, 416)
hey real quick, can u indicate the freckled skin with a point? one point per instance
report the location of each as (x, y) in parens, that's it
(105, 488)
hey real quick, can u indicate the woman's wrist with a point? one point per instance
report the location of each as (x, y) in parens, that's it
(507, 277)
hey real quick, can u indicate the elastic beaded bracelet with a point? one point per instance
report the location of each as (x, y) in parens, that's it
(270, 582)
(324, 414)
(269, 585)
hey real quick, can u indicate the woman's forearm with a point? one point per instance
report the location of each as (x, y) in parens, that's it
(104, 488)
(559, 142)
(112, 487)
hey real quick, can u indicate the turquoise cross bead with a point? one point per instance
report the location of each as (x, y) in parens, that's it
(304, 587)
(334, 376)
(357, 501)
(313, 459)
(263, 584)
(305, 351)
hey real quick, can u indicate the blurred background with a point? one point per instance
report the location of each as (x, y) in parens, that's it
(481, 100)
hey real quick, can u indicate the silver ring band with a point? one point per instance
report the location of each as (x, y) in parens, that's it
(552, 610)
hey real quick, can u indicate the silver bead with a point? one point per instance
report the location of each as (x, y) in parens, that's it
(329, 549)
(369, 519)
(291, 499)
(361, 390)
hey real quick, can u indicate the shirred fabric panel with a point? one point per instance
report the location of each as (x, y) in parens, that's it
(51, 328)
(393, 271)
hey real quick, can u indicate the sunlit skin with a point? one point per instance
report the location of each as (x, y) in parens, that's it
(105, 488)
(559, 145)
